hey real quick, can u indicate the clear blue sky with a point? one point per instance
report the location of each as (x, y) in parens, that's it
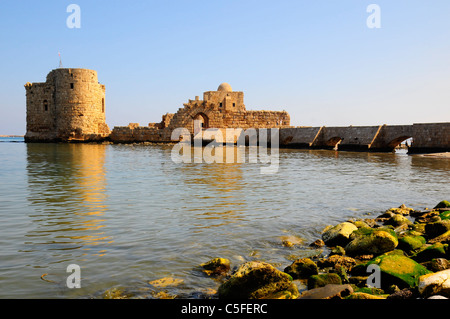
(317, 60)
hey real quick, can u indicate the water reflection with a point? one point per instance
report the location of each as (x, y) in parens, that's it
(67, 184)
(215, 193)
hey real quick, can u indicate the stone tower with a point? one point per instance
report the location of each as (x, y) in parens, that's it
(68, 106)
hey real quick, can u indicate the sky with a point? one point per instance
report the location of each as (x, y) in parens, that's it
(318, 60)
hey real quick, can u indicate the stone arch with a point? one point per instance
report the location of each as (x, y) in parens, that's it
(203, 121)
(396, 141)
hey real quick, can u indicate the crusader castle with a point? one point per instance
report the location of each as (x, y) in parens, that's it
(70, 107)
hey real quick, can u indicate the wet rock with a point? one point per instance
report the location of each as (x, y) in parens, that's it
(302, 268)
(435, 284)
(317, 244)
(437, 250)
(428, 217)
(116, 293)
(396, 269)
(398, 220)
(406, 293)
(339, 234)
(437, 264)
(255, 280)
(445, 215)
(444, 238)
(337, 261)
(443, 204)
(371, 241)
(410, 243)
(216, 267)
(403, 210)
(338, 250)
(363, 295)
(437, 228)
(322, 280)
(331, 291)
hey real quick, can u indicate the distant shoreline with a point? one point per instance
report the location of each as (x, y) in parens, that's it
(12, 135)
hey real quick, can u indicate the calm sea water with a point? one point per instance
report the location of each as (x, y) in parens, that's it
(127, 214)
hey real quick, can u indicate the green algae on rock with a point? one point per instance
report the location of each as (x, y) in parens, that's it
(256, 280)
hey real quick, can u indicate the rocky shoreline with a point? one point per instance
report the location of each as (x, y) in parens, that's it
(401, 254)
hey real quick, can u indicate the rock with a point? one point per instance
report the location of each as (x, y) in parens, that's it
(395, 269)
(410, 243)
(406, 293)
(166, 282)
(317, 244)
(398, 220)
(437, 228)
(428, 217)
(330, 291)
(363, 295)
(437, 264)
(443, 204)
(337, 261)
(371, 241)
(339, 234)
(216, 266)
(437, 283)
(116, 293)
(322, 280)
(403, 210)
(444, 238)
(437, 250)
(445, 215)
(255, 280)
(437, 297)
(338, 250)
(302, 268)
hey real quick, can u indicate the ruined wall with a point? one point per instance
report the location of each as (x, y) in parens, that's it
(209, 112)
(69, 106)
(430, 137)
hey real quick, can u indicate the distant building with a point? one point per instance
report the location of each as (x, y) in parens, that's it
(68, 106)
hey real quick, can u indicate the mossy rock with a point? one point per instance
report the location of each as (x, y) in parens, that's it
(216, 266)
(437, 250)
(443, 204)
(339, 234)
(321, 280)
(410, 243)
(363, 295)
(398, 220)
(367, 241)
(445, 215)
(302, 268)
(399, 270)
(256, 280)
(437, 228)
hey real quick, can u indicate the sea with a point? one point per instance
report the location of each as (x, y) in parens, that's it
(127, 220)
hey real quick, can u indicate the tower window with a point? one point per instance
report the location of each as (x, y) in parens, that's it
(234, 104)
(103, 105)
(220, 104)
(45, 105)
(71, 85)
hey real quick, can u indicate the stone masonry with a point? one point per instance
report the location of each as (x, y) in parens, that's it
(69, 106)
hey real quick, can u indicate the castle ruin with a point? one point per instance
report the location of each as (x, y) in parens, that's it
(68, 106)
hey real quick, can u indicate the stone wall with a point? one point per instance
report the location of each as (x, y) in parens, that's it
(69, 106)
